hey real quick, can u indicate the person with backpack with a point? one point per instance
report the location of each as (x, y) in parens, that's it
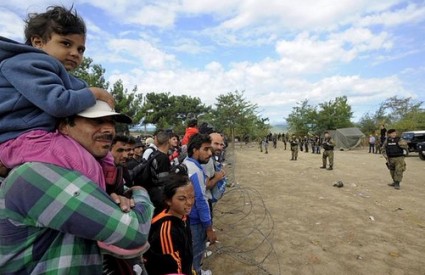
(153, 170)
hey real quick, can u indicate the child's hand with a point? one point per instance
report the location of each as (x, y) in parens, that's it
(103, 95)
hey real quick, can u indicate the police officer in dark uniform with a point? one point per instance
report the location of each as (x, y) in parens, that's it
(393, 151)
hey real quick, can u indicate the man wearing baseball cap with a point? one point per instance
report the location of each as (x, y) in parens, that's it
(64, 206)
(66, 149)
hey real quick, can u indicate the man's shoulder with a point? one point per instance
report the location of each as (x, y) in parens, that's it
(41, 168)
(193, 166)
(36, 173)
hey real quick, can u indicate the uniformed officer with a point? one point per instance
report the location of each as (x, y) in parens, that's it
(393, 151)
(294, 147)
(328, 145)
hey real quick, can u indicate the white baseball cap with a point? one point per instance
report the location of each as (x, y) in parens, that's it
(102, 109)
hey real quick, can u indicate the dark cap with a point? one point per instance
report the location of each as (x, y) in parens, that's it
(139, 144)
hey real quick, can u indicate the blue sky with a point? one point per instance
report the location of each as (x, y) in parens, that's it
(279, 52)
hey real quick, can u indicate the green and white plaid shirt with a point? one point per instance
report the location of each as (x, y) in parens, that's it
(51, 218)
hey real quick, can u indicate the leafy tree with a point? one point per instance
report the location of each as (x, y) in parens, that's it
(367, 124)
(125, 102)
(235, 116)
(303, 119)
(334, 114)
(398, 108)
(400, 113)
(91, 73)
(166, 110)
(413, 120)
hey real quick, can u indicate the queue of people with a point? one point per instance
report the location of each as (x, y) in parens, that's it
(78, 198)
(75, 196)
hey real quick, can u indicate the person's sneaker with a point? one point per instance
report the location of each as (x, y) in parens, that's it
(206, 272)
(322, 167)
(391, 184)
(330, 168)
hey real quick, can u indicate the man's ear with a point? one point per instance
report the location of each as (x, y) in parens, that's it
(37, 42)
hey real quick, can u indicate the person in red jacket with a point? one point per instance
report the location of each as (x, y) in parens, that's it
(192, 128)
(170, 236)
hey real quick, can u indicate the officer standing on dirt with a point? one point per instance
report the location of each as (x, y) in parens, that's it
(328, 145)
(294, 147)
(393, 151)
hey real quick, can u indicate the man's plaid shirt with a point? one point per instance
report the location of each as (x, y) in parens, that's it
(51, 218)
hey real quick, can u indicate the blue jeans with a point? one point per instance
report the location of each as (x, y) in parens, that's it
(199, 239)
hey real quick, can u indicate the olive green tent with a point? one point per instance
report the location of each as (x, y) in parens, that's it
(347, 138)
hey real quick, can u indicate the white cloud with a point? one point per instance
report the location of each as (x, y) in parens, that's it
(309, 53)
(264, 87)
(315, 44)
(412, 13)
(160, 15)
(190, 46)
(150, 56)
(11, 25)
(220, 8)
(305, 14)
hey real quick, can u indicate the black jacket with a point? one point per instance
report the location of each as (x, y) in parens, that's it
(171, 246)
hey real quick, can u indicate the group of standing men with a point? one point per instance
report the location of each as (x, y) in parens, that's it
(327, 143)
(392, 147)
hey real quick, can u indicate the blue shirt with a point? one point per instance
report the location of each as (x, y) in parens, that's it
(200, 212)
(36, 89)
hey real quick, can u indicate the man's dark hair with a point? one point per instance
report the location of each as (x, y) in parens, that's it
(67, 121)
(192, 123)
(120, 138)
(206, 129)
(175, 135)
(131, 140)
(56, 19)
(162, 136)
(391, 131)
(196, 141)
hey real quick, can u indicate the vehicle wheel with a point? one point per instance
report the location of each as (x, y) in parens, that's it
(421, 156)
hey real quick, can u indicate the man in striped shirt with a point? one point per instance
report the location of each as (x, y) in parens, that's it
(51, 218)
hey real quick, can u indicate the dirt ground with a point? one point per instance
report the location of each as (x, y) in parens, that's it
(285, 217)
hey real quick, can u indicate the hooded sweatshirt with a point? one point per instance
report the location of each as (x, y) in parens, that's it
(35, 90)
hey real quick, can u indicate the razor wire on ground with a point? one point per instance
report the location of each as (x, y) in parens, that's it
(244, 228)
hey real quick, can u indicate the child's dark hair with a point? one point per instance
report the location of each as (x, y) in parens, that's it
(56, 19)
(196, 141)
(177, 177)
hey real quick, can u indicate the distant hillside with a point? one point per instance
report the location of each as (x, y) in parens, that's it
(279, 128)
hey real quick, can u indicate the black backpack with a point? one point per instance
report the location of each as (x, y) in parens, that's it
(144, 174)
